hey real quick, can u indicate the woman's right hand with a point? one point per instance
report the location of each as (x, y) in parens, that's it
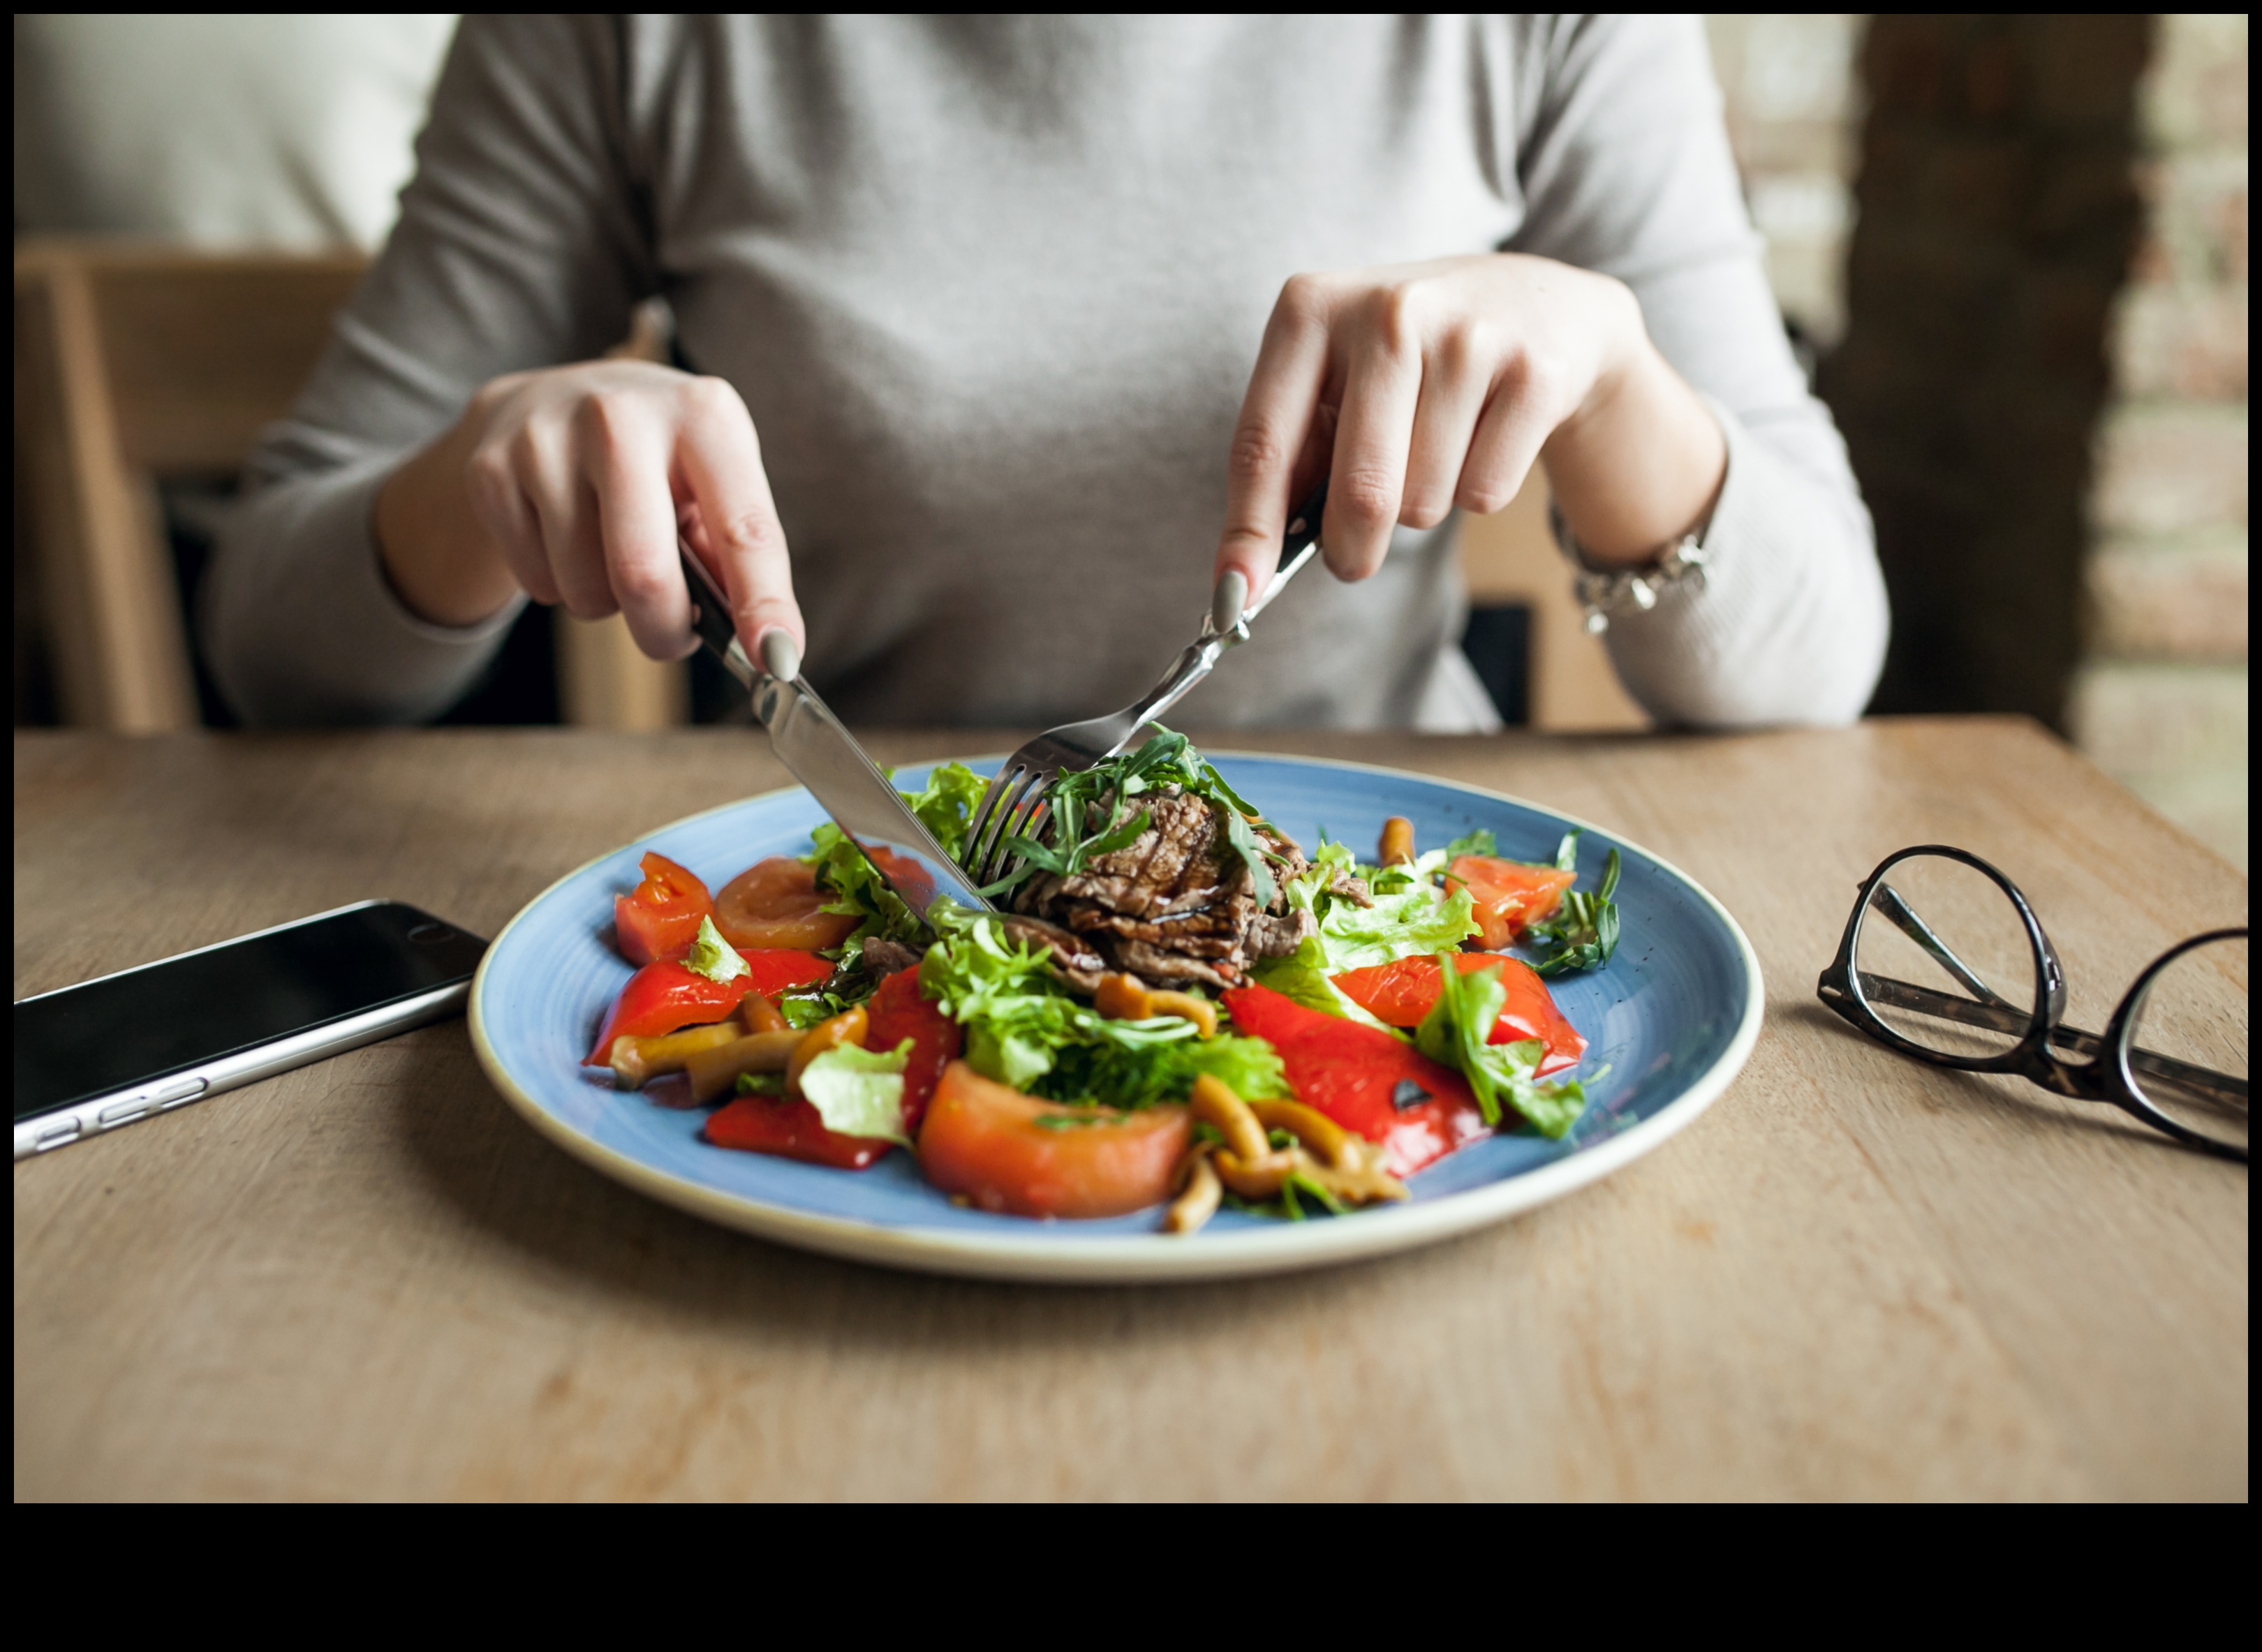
(572, 484)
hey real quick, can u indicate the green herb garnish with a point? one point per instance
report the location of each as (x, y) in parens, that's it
(1094, 812)
(1480, 841)
(1584, 931)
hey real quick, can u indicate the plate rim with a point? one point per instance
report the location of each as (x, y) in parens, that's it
(1144, 1258)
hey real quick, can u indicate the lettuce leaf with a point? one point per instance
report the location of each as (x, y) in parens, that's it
(946, 804)
(859, 892)
(860, 1092)
(1025, 1029)
(713, 956)
(1409, 915)
(1398, 926)
(1303, 976)
(1453, 1034)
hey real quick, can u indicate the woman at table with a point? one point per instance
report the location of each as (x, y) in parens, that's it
(999, 341)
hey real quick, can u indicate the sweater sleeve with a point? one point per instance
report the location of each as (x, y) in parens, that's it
(1622, 159)
(519, 245)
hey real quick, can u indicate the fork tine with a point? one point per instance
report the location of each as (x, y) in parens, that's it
(1021, 821)
(990, 853)
(983, 825)
(996, 860)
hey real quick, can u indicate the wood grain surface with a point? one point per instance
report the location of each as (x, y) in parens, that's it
(1855, 1277)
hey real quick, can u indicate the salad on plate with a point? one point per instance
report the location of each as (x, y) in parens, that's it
(1173, 1007)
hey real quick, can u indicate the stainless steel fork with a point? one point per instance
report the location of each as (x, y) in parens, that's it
(1015, 801)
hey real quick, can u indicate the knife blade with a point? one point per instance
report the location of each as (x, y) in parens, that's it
(825, 757)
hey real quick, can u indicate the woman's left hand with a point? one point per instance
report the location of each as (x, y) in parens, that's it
(1419, 387)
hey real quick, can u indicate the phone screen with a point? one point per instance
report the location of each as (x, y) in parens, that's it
(170, 1016)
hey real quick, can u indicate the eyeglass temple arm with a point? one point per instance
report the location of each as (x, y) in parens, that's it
(1999, 1017)
(1905, 919)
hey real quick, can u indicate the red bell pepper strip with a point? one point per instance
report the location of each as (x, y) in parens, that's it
(1354, 1074)
(1403, 993)
(790, 1129)
(900, 1011)
(794, 1128)
(661, 997)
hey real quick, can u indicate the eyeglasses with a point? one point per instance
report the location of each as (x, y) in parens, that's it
(2173, 1055)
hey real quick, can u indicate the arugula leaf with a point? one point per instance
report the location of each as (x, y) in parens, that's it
(1584, 931)
(1480, 841)
(1086, 816)
(1453, 1035)
(804, 1010)
(860, 1092)
(1252, 856)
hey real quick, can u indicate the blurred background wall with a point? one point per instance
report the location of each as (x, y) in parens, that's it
(2042, 383)
(2011, 248)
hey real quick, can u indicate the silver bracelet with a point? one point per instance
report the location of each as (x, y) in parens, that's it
(1604, 592)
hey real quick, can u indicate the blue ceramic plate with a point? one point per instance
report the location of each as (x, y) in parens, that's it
(1672, 1018)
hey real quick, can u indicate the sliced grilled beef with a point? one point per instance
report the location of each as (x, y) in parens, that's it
(883, 957)
(1075, 961)
(1177, 906)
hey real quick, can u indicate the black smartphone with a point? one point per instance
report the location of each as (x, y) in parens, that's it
(118, 1049)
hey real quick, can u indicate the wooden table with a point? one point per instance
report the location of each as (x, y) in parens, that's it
(1855, 1277)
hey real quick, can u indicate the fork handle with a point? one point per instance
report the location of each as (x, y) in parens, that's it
(1202, 656)
(1230, 611)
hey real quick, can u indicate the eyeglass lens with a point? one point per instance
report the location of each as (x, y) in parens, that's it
(2187, 1041)
(1944, 959)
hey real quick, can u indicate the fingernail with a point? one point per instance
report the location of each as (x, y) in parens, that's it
(1230, 601)
(780, 655)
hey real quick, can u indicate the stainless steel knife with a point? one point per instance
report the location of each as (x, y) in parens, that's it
(824, 757)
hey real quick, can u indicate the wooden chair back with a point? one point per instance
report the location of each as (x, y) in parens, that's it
(135, 364)
(138, 365)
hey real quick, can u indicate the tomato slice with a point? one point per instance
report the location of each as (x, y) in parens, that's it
(790, 1130)
(1365, 1080)
(776, 903)
(1403, 993)
(660, 917)
(989, 1144)
(663, 996)
(900, 1011)
(906, 876)
(1510, 897)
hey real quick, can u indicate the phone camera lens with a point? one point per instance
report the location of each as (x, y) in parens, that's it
(430, 935)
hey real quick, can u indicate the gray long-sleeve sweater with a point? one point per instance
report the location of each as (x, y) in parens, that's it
(992, 290)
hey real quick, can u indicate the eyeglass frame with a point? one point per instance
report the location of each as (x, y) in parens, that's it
(2092, 1079)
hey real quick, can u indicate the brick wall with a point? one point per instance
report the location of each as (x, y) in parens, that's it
(2160, 695)
(1996, 218)
(1792, 102)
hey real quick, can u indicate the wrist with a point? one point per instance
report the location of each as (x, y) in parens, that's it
(441, 563)
(1638, 466)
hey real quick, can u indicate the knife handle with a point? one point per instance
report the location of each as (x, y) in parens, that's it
(710, 617)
